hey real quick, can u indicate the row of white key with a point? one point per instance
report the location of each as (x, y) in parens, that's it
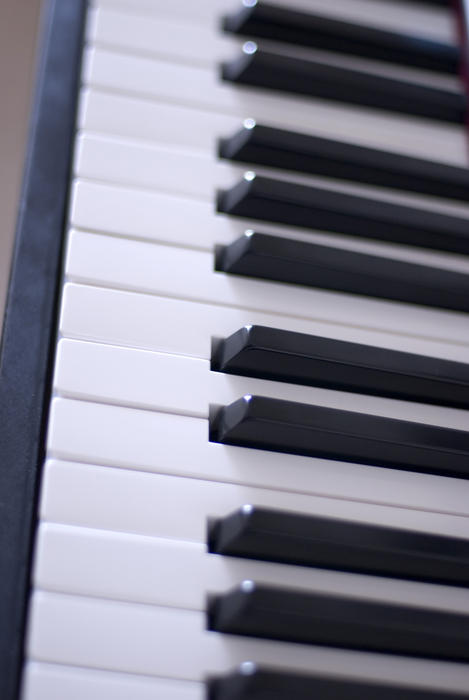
(201, 88)
(187, 386)
(165, 124)
(163, 443)
(127, 319)
(179, 272)
(51, 681)
(172, 169)
(154, 571)
(182, 41)
(131, 212)
(175, 643)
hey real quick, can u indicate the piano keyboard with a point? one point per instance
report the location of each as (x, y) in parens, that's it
(154, 444)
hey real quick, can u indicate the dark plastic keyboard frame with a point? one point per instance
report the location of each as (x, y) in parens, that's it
(30, 319)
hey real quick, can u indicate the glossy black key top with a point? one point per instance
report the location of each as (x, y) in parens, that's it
(298, 358)
(256, 197)
(289, 615)
(316, 431)
(344, 545)
(262, 20)
(250, 682)
(263, 145)
(263, 69)
(286, 260)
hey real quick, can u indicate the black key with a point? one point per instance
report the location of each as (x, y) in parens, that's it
(265, 21)
(317, 79)
(316, 431)
(263, 145)
(286, 260)
(283, 202)
(298, 358)
(252, 683)
(314, 540)
(289, 615)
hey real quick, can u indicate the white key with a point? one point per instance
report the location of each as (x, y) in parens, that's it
(144, 165)
(175, 643)
(132, 213)
(166, 123)
(170, 444)
(174, 39)
(196, 174)
(110, 113)
(115, 114)
(182, 9)
(187, 386)
(202, 89)
(408, 17)
(153, 571)
(128, 319)
(42, 681)
(189, 274)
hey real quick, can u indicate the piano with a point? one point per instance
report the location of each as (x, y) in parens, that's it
(252, 336)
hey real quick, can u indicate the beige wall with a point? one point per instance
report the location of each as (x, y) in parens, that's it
(19, 21)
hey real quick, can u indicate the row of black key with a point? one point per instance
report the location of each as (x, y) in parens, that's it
(298, 616)
(291, 615)
(271, 353)
(324, 267)
(252, 683)
(311, 540)
(258, 19)
(321, 208)
(260, 68)
(329, 433)
(312, 618)
(315, 155)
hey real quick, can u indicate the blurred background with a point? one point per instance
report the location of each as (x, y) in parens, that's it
(19, 30)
